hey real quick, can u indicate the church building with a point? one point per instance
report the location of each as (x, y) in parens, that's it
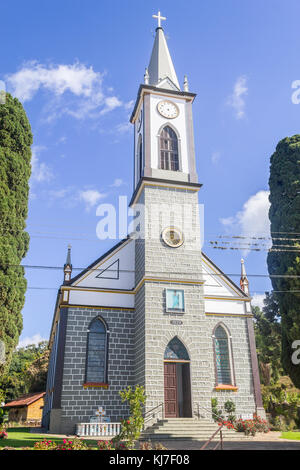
(154, 310)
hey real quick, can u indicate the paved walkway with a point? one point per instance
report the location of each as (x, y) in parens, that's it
(262, 441)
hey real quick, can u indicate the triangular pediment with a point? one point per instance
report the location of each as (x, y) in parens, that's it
(217, 283)
(113, 270)
(167, 84)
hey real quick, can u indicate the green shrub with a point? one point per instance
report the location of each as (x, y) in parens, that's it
(132, 426)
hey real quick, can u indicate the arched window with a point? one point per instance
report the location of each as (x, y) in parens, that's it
(169, 159)
(176, 350)
(222, 357)
(96, 364)
(140, 157)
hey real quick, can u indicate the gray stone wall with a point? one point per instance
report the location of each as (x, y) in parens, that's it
(79, 404)
(244, 397)
(184, 264)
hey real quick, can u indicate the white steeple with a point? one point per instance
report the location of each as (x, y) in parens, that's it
(244, 280)
(161, 69)
(68, 266)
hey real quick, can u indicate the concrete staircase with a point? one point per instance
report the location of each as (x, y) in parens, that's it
(188, 429)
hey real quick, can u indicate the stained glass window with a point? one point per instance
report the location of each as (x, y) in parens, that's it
(96, 354)
(169, 150)
(176, 350)
(222, 356)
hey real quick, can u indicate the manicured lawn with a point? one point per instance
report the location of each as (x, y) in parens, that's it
(21, 437)
(291, 435)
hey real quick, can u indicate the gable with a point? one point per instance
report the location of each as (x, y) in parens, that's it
(217, 283)
(221, 295)
(114, 270)
(167, 84)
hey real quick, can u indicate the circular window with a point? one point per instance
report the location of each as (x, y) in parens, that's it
(172, 237)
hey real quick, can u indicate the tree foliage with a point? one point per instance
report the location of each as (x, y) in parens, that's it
(27, 372)
(268, 340)
(15, 155)
(284, 215)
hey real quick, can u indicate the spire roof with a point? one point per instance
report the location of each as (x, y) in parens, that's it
(243, 269)
(68, 260)
(161, 66)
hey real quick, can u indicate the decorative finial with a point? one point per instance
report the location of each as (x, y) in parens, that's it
(244, 280)
(185, 84)
(159, 19)
(68, 266)
(146, 77)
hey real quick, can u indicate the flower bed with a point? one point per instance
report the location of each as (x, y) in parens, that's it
(251, 426)
(76, 444)
(3, 435)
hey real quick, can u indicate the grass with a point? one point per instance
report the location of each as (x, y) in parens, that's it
(291, 435)
(22, 437)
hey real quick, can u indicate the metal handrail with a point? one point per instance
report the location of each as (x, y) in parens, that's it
(220, 443)
(219, 430)
(210, 412)
(152, 412)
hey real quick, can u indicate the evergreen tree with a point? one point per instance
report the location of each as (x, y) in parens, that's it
(15, 169)
(268, 340)
(285, 229)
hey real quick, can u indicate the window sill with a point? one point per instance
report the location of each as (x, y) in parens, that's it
(226, 387)
(95, 384)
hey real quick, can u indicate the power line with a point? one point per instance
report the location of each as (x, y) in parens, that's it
(109, 270)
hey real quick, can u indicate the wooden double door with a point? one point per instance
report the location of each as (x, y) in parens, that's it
(177, 390)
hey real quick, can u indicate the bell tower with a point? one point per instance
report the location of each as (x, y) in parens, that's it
(163, 121)
(169, 300)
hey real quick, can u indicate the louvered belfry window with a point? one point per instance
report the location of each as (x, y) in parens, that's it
(169, 159)
(96, 354)
(222, 357)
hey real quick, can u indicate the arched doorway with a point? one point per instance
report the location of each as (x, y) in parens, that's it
(177, 381)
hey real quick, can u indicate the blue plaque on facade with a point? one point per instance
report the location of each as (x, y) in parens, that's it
(175, 300)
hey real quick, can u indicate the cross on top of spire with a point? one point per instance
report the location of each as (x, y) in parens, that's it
(159, 19)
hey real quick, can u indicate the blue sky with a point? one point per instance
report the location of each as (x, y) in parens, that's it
(76, 66)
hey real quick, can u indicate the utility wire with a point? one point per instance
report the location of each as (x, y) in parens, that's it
(110, 270)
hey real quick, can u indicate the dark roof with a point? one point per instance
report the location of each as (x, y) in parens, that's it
(25, 400)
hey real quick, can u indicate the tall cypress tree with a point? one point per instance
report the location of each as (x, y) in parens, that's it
(15, 169)
(284, 215)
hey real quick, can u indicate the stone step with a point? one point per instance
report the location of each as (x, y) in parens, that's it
(208, 432)
(198, 437)
(189, 428)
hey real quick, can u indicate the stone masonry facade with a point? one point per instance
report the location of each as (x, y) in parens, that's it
(183, 265)
(78, 404)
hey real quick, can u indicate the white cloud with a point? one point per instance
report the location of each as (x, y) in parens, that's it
(258, 300)
(90, 197)
(39, 170)
(236, 99)
(75, 89)
(35, 339)
(215, 157)
(253, 219)
(117, 183)
(124, 127)
(76, 78)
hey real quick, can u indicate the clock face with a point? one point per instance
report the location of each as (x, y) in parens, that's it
(172, 237)
(168, 109)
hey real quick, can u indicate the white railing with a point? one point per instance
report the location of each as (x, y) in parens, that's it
(98, 429)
